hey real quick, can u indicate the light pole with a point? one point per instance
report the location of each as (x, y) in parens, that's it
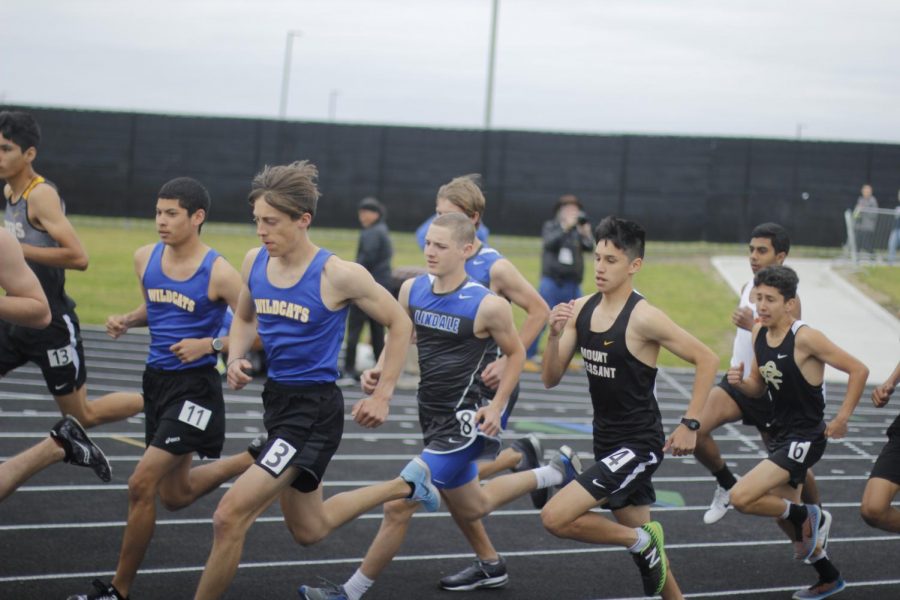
(332, 104)
(286, 74)
(492, 47)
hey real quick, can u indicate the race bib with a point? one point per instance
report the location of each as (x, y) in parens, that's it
(618, 459)
(468, 428)
(194, 415)
(60, 357)
(278, 457)
(798, 451)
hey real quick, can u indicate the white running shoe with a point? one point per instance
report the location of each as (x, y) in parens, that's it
(718, 507)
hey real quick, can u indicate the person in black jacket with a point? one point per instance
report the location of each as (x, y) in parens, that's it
(566, 237)
(374, 252)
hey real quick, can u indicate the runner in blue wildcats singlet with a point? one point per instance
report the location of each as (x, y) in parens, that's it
(178, 310)
(478, 267)
(183, 402)
(304, 409)
(301, 336)
(628, 433)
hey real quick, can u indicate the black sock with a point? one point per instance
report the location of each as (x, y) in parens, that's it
(796, 515)
(827, 571)
(725, 477)
(412, 488)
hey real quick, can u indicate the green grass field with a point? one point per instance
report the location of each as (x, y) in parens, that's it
(675, 277)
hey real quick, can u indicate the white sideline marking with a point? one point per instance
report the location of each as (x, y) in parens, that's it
(467, 555)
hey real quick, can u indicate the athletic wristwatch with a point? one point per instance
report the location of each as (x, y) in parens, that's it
(217, 344)
(692, 424)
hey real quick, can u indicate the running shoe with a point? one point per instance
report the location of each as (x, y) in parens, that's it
(330, 591)
(532, 453)
(651, 560)
(718, 507)
(477, 575)
(102, 591)
(566, 461)
(79, 448)
(820, 590)
(417, 473)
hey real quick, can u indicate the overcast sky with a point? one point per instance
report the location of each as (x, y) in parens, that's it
(692, 67)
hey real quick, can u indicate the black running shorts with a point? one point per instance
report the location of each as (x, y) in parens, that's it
(305, 425)
(887, 466)
(797, 456)
(754, 411)
(185, 411)
(57, 350)
(622, 474)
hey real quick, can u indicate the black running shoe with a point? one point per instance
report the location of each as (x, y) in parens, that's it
(256, 446)
(477, 575)
(651, 560)
(102, 591)
(532, 453)
(79, 448)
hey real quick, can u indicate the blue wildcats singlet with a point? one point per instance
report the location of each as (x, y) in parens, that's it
(478, 267)
(301, 336)
(177, 310)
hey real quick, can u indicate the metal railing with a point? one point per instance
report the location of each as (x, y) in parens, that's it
(873, 234)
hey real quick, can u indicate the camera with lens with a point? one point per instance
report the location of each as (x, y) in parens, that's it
(582, 217)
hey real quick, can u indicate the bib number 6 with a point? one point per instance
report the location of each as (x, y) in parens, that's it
(798, 451)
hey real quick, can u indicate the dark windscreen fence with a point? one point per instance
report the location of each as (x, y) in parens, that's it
(679, 188)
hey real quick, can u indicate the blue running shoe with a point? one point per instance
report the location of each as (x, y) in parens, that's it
(417, 473)
(330, 591)
(566, 462)
(808, 533)
(820, 590)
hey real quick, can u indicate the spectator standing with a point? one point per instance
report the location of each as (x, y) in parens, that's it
(894, 239)
(865, 220)
(565, 238)
(374, 252)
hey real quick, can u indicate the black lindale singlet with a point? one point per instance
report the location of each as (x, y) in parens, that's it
(621, 386)
(798, 407)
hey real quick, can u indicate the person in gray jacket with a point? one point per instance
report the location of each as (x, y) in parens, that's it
(566, 237)
(374, 252)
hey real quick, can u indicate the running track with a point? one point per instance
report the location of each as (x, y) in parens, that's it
(64, 527)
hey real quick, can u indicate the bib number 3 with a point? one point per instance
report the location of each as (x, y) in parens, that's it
(278, 457)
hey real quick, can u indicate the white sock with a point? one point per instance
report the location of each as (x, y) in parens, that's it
(547, 476)
(817, 557)
(642, 541)
(787, 510)
(357, 585)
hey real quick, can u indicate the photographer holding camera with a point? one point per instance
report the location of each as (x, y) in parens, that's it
(565, 238)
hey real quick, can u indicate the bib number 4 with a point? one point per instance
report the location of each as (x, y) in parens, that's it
(618, 459)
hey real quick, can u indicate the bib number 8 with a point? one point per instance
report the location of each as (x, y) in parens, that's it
(467, 425)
